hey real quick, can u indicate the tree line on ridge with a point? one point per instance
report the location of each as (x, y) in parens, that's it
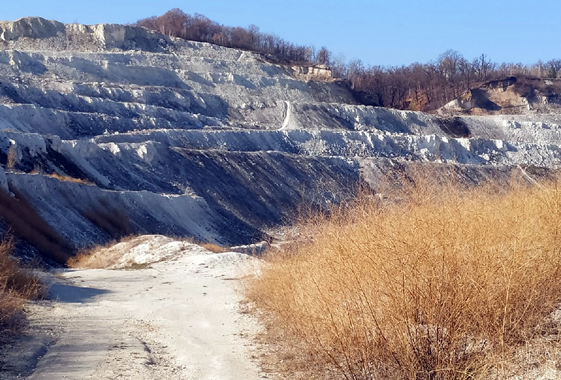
(418, 86)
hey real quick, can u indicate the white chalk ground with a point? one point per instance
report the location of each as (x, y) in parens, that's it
(166, 310)
(180, 318)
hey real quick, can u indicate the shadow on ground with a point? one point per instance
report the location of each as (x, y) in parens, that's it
(73, 294)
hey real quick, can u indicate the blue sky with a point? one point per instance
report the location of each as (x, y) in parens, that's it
(394, 32)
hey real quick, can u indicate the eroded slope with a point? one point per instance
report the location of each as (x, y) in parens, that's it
(194, 139)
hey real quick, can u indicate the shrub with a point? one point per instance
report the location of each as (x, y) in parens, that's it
(439, 285)
(16, 286)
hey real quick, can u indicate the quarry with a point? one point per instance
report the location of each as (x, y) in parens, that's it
(110, 130)
(195, 139)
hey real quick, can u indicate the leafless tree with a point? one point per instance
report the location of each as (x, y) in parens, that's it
(417, 86)
(553, 68)
(323, 57)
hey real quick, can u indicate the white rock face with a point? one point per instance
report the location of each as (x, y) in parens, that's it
(195, 139)
(31, 27)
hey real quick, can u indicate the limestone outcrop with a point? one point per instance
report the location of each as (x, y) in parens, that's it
(511, 96)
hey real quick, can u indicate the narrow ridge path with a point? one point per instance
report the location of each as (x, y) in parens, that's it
(287, 116)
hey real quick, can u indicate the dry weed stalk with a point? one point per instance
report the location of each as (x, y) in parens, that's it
(16, 286)
(442, 284)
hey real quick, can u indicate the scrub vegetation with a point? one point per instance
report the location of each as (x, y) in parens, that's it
(436, 282)
(17, 286)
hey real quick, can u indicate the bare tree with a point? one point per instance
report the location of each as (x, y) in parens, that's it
(323, 57)
(338, 66)
(417, 86)
(483, 67)
(466, 71)
(553, 68)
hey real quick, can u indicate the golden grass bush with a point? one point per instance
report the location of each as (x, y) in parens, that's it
(66, 178)
(16, 287)
(103, 256)
(445, 283)
(60, 177)
(214, 248)
(97, 257)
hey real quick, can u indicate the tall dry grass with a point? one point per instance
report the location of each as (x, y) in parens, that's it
(16, 287)
(104, 255)
(442, 284)
(214, 248)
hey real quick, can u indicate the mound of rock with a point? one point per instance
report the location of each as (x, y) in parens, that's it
(512, 96)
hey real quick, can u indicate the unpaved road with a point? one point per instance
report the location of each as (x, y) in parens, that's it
(177, 319)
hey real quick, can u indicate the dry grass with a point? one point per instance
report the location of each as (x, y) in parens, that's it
(103, 256)
(60, 177)
(442, 284)
(93, 257)
(214, 248)
(107, 255)
(65, 178)
(16, 286)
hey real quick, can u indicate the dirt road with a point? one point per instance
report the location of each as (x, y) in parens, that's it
(176, 319)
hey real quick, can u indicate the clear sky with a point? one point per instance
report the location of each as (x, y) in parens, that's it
(391, 32)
